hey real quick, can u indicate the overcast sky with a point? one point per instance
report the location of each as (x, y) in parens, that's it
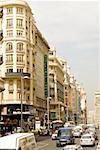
(72, 27)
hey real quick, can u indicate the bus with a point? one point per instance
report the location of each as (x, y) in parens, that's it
(56, 124)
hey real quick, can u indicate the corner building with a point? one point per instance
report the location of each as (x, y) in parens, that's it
(18, 45)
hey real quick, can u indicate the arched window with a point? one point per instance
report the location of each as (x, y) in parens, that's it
(20, 46)
(9, 46)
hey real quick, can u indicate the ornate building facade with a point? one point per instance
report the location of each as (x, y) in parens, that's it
(25, 54)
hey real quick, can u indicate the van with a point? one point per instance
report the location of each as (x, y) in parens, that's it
(65, 136)
(18, 141)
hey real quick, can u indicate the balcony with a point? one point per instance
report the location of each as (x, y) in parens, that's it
(1, 59)
(14, 101)
(16, 74)
(1, 12)
(1, 35)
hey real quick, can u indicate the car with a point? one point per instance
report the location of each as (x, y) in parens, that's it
(73, 147)
(54, 135)
(92, 132)
(87, 139)
(44, 132)
(65, 136)
(77, 133)
(98, 146)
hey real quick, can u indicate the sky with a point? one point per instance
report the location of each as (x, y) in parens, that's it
(72, 27)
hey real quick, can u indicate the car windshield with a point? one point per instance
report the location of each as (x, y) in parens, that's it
(64, 132)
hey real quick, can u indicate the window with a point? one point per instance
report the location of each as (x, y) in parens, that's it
(9, 58)
(19, 70)
(1, 12)
(9, 33)
(19, 58)
(9, 46)
(19, 33)
(19, 23)
(18, 85)
(20, 46)
(50, 52)
(9, 70)
(9, 10)
(1, 58)
(9, 23)
(10, 86)
(19, 10)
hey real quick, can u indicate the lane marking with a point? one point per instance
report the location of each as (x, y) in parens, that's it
(41, 146)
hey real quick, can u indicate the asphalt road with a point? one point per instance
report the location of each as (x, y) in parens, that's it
(46, 143)
(49, 144)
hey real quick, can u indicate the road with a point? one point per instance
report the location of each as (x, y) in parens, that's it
(46, 143)
(49, 144)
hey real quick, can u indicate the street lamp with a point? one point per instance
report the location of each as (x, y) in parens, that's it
(67, 113)
(48, 110)
(22, 93)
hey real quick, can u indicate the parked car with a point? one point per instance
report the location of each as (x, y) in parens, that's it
(87, 139)
(54, 135)
(73, 147)
(98, 146)
(65, 136)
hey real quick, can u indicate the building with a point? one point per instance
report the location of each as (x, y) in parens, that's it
(97, 108)
(56, 87)
(25, 54)
(83, 106)
(41, 75)
(1, 84)
(90, 117)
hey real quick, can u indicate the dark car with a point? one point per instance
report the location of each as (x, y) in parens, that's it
(65, 136)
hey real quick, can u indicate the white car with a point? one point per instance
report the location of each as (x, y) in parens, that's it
(77, 133)
(54, 135)
(73, 147)
(98, 146)
(87, 139)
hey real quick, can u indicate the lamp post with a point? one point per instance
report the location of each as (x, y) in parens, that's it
(67, 113)
(22, 95)
(48, 110)
(21, 123)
